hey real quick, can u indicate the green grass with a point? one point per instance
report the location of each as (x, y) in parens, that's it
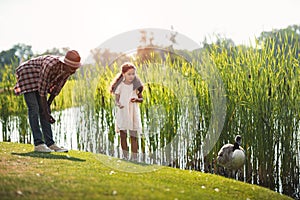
(81, 175)
(261, 87)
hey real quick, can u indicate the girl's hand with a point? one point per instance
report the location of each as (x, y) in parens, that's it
(136, 100)
(133, 100)
(120, 106)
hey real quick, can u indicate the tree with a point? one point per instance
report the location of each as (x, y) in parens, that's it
(7, 57)
(17, 54)
(23, 52)
(105, 57)
(56, 51)
(281, 40)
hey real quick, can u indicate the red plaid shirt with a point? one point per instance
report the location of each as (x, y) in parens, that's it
(44, 74)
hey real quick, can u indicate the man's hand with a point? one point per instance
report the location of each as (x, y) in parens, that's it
(46, 110)
(49, 118)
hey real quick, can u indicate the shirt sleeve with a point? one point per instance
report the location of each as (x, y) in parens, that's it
(60, 86)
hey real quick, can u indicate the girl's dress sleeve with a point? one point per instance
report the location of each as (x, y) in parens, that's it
(118, 90)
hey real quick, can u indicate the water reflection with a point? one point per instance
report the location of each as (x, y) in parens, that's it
(78, 129)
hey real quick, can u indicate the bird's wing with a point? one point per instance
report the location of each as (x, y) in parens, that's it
(226, 148)
(241, 148)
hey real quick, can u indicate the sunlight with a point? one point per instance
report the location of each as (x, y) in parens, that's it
(83, 25)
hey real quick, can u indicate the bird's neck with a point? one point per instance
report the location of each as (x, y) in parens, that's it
(236, 146)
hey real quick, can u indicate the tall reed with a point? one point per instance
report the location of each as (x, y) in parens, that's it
(261, 86)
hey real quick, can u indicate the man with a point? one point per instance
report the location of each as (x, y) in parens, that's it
(35, 79)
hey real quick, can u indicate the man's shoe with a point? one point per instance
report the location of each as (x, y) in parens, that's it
(56, 148)
(42, 148)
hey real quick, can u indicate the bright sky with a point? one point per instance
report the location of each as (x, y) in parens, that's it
(85, 24)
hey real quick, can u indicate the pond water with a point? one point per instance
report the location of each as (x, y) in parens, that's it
(80, 130)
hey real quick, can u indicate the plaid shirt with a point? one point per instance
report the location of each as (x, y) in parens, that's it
(44, 74)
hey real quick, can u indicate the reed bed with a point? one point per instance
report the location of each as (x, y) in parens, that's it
(257, 96)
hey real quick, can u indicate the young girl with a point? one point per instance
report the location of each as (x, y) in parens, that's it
(127, 89)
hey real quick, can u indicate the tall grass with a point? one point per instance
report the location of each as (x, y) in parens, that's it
(262, 104)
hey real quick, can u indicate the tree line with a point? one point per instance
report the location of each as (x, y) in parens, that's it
(22, 52)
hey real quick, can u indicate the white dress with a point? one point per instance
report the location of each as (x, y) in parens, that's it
(127, 118)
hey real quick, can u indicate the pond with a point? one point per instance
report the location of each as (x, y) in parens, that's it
(78, 129)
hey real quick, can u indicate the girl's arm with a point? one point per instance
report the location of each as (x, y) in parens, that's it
(118, 101)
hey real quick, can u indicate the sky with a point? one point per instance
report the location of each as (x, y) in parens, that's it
(86, 24)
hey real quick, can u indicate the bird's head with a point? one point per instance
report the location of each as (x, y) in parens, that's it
(238, 139)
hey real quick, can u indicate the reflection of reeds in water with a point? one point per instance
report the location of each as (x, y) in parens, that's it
(262, 104)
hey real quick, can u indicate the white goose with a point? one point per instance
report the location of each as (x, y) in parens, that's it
(232, 156)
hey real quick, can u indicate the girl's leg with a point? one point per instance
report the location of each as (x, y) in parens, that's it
(124, 146)
(134, 144)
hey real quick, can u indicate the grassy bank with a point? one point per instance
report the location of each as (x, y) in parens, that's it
(81, 175)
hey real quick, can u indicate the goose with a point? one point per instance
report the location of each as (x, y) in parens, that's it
(232, 156)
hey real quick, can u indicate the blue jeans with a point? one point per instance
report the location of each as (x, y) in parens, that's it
(35, 116)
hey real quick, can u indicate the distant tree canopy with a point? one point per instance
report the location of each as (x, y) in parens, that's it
(15, 55)
(22, 52)
(104, 57)
(56, 51)
(282, 39)
(291, 34)
(147, 50)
